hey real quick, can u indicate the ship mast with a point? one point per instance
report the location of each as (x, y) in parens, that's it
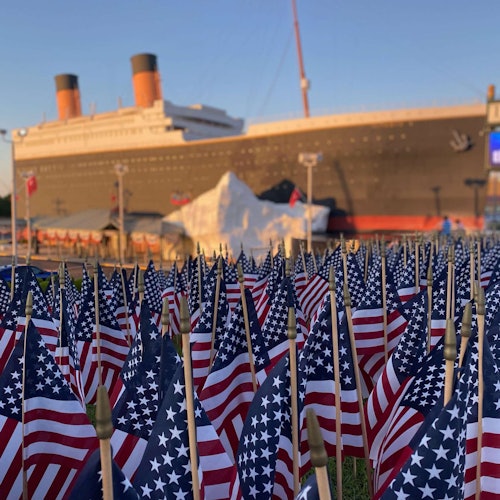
(304, 82)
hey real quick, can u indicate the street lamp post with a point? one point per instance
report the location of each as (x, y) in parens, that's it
(120, 171)
(309, 160)
(13, 205)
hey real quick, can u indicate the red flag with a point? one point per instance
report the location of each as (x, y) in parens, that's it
(31, 185)
(295, 196)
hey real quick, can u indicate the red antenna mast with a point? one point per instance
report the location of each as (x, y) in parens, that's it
(304, 82)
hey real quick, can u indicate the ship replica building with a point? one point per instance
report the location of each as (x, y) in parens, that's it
(398, 170)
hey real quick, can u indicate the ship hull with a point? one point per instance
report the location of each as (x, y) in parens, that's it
(393, 176)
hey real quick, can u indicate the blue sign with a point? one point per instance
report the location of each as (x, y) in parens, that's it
(495, 149)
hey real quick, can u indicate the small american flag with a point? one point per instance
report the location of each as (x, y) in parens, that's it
(58, 437)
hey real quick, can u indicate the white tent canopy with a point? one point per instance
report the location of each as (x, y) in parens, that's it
(231, 214)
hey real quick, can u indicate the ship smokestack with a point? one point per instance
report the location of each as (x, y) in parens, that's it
(491, 93)
(68, 96)
(145, 79)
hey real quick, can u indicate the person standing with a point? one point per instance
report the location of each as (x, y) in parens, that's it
(446, 226)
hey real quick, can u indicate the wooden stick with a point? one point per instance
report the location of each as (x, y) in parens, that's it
(247, 326)
(336, 375)
(450, 355)
(200, 279)
(104, 431)
(216, 307)
(303, 257)
(452, 300)
(97, 323)
(384, 301)
(448, 285)
(347, 304)
(405, 251)
(28, 312)
(292, 336)
(140, 285)
(165, 326)
(472, 269)
(319, 458)
(125, 303)
(465, 331)
(417, 267)
(188, 380)
(480, 310)
(367, 258)
(61, 316)
(12, 278)
(430, 282)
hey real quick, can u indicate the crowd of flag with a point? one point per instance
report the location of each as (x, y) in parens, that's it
(357, 333)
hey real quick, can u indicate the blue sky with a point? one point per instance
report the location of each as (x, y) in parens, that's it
(240, 55)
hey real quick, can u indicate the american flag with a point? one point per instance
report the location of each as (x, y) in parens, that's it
(58, 436)
(66, 354)
(265, 456)
(438, 314)
(152, 292)
(317, 287)
(201, 336)
(435, 467)
(368, 325)
(406, 286)
(165, 470)
(275, 328)
(89, 482)
(317, 385)
(145, 376)
(173, 291)
(4, 297)
(14, 319)
(250, 272)
(421, 396)
(113, 344)
(490, 452)
(263, 274)
(402, 364)
(273, 282)
(355, 280)
(228, 390)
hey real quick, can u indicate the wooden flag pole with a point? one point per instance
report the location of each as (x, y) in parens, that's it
(450, 355)
(319, 458)
(165, 326)
(247, 326)
(472, 268)
(292, 336)
(303, 257)
(478, 243)
(216, 307)
(405, 251)
(28, 312)
(430, 282)
(448, 283)
(61, 316)
(97, 323)
(125, 303)
(336, 375)
(140, 285)
(417, 266)
(188, 378)
(465, 331)
(452, 301)
(198, 266)
(12, 278)
(347, 304)
(384, 300)
(367, 259)
(104, 431)
(480, 310)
